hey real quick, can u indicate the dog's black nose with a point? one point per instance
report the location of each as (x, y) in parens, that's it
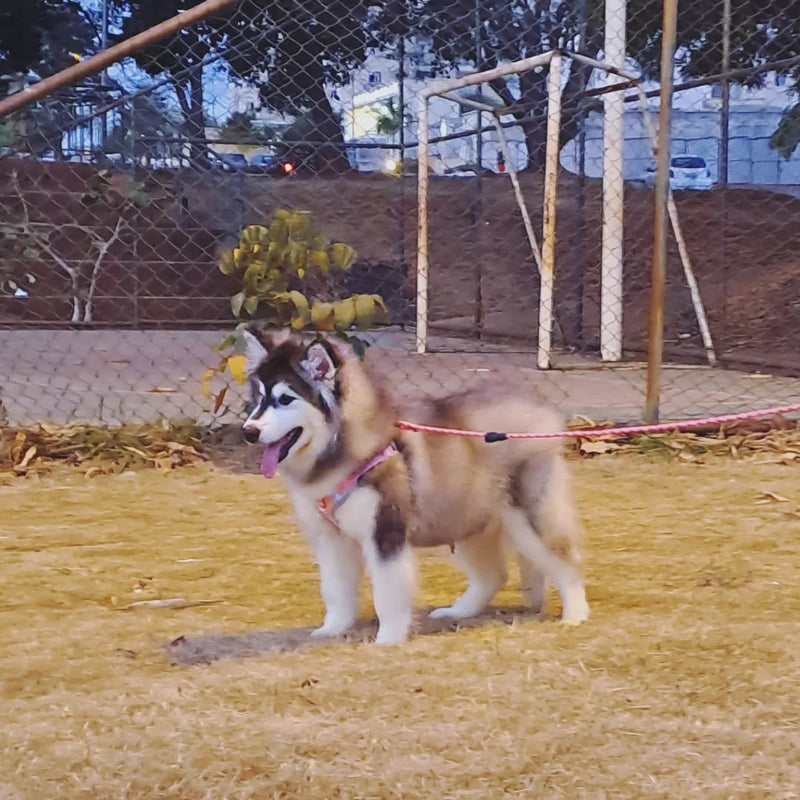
(251, 434)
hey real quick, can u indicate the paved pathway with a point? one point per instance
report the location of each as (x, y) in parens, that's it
(109, 377)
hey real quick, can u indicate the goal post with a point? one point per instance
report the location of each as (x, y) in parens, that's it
(544, 258)
(443, 88)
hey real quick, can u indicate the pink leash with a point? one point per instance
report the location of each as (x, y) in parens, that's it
(599, 433)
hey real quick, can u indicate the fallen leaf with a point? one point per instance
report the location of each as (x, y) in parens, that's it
(170, 602)
(17, 445)
(778, 458)
(220, 398)
(598, 447)
(205, 383)
(28, 457)
(238, 367)
(771, 497)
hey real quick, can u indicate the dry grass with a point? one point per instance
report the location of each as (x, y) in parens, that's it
(684, 683)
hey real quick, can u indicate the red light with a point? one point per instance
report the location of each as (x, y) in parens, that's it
(288, 167)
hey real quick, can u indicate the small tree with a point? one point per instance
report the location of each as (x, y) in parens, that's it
(34, 240)
(787, 136)
(390, 118)
(288, 276)
(146, 129)
(239, 129)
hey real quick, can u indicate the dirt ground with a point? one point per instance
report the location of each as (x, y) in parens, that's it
(685, 683)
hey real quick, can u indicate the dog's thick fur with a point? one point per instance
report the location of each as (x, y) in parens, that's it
(317, 410)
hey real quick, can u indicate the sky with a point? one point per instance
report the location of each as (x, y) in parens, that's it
(132, 79)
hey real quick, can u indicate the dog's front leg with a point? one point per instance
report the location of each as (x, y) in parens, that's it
(392, 591)
(339, 560)
(380, 530)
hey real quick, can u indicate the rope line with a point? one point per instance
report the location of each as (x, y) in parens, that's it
(598, 433)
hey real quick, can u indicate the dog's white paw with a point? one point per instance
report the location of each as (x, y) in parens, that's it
(393, 631)
(445, 612)
(576, 614)
(458, 610)
(333, 628)
(391, 637)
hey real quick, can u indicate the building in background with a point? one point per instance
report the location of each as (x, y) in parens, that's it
(374, 89)
(754, 116)
(697, 130)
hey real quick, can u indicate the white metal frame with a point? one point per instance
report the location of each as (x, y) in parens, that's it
(545, 260)
(611, 253)
(444, 88)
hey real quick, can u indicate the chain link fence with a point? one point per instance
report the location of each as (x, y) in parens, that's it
(124, 198)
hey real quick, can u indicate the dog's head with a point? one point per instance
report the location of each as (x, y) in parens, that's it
(295, 389)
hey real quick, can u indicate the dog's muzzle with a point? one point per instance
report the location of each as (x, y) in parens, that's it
(251, 434)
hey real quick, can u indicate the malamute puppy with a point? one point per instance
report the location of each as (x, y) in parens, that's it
(365, 492)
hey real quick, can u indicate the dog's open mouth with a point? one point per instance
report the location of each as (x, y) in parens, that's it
(275, 453)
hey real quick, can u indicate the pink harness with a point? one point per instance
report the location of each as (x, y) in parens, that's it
(327, 506)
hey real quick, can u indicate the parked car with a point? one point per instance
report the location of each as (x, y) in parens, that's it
(270, 164)
(685, 172)
(168, 162)
(230, 162)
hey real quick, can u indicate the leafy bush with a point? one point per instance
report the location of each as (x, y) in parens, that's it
(290, 276)
(282, 266)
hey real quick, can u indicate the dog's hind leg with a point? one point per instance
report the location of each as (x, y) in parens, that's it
(559, 568)
(542, 525)
(340, 568)
(483, 560)
(533, 585)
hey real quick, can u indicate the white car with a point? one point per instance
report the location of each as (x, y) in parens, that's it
(685, 172)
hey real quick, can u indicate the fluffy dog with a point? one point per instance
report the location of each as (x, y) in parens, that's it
(365, 492)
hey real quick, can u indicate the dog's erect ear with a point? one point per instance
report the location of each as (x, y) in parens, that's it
(254, 351)
(321, 363)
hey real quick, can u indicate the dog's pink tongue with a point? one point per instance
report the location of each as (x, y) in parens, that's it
(269, 460)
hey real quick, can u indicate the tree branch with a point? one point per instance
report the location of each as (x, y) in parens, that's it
(103, 248)
(182, 99)
(44, 243)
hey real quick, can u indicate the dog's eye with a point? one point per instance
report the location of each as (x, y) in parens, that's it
(285, 399)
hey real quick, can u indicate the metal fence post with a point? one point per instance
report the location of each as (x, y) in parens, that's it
(656, 337)
(613, 189)
(725, 120)
(476, 206)
(422, 224)
(549, 217)
(401, 200)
